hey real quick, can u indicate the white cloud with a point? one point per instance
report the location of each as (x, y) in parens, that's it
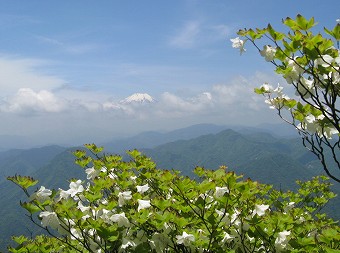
(87, 115)
(27, 101)
(237, 95)
(71, 47)
(187, 35)
(221, 31)
(178, 105)
(195, 33)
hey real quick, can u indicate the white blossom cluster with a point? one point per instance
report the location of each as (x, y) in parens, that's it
(306, 86)
(160, 242)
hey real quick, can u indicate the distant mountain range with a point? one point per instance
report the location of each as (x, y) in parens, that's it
(8, 142)
(248, 151)
(152, 139)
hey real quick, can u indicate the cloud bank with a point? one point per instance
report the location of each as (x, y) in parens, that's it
(34, 103)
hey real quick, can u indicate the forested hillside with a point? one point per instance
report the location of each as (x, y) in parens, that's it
(258, 156)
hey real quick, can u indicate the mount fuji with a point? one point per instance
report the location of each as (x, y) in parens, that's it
(140, 98)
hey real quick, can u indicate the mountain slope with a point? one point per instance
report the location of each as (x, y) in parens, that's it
(258, 156)
(153, 139)
(25, 162)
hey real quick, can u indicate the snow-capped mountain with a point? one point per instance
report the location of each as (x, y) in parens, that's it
(138, 98)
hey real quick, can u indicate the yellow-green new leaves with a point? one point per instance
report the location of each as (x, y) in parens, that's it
(23, 181)
(30, 207)
(300, 23)
(277, 36)
(93, 148)
(335, 33)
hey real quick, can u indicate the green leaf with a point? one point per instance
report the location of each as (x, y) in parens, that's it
(290, 103)
(162, 204)
(290, 23)
(93, 148)
(242, 32)
(79, 153)
(300, 106)
(19, 239)
(335, 33)
(23, 181)
(84, 161)
(31, 208)
(274, 34)
(303, 23)
(254, 35)
(259, 91)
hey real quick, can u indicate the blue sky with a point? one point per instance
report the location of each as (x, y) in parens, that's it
(65, 65)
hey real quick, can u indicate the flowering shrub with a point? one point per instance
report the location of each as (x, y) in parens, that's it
(131, 206)
(311, 65)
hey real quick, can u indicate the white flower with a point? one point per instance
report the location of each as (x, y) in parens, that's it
(227, 237)
(220, 191)
(41, 195)
(225, 216)
(92, 173)
(234, 219)
(305, 87)
(75, 188)
(267, 88)
(338, 20)
(289, 206)
(238, 43)
(281, 241)
(82, 208)
(76, 234)
(325, 61)
(143, 204)
(334, 75)
(127, 243)
(103, 169)
(312, 125)
(122, 196)
(112, 175)
(143, 188)
(63, 194)
(294, 73)
(120, 219)
(185, 239)
(49, 219)
(278, 102)
(329, 132)
(260, 210)
(105, 215)
(268, 53)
